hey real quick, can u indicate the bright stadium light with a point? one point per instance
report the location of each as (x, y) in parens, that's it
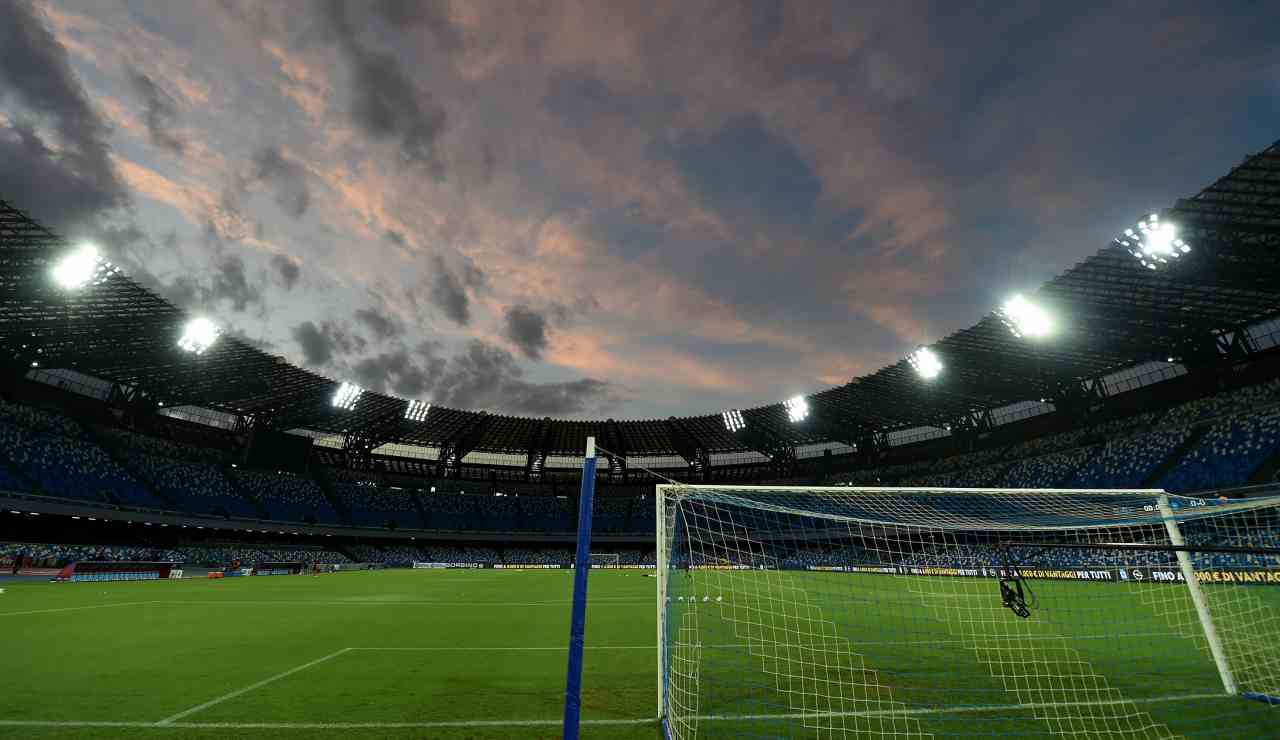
(1025, 319)
(199, 335)
(797, 409)
(85, 266)
(1154, 243)
(347, 396)
(733, 420)
(417, 410)
(926, 363)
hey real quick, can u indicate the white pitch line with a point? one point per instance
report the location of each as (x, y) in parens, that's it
(247, 689)
(556, 722)
(240, 602)
(518, 648)
(74, 608)
(514, 648)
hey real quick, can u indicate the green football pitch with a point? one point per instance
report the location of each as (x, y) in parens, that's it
(411, 654)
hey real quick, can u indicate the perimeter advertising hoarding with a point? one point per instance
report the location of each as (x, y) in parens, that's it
(1130, 574)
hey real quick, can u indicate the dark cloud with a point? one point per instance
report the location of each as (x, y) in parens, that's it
(429, 14)
(183, 291)
(69, 176)
(481, 376)
(399, 372)
(488, 377)
(386, 103)
(288, 269)
(317, 347)
(287, 179)
(321, 344)
(231, 284)
(381, 325)
(528, 330)
(448, 293)
(161, 111)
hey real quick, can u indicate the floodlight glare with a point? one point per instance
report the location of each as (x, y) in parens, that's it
(82, 267)
(1025, 319)
(417, 411)
(347, 395)
(1154, 243)
(199, 335)
(797, 409)
(926, 363)
(733, 420)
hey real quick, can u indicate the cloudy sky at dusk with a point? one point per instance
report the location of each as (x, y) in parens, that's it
(627, 209)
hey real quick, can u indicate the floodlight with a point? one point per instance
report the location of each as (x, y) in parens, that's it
(347, 396)
(797, 409)
(1154, 243)
(199, 335)
(1024, 318)
(733, 420)
(85, 266)
(926, 363)
(417, 411)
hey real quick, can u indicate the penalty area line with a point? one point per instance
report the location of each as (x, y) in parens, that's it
(226, 697)
(74, 608)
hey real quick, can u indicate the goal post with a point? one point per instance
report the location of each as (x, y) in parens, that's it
(604, 560)
(913, 612)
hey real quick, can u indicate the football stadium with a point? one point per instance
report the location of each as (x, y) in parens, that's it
(1062, 520)
(992, 536)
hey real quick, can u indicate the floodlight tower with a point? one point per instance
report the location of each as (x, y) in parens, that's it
(83, 267)
(346, 396)
(199, 335)
(797, 409)
(926, 363)
(1153, 242)
(733, 420)
(1025, 319)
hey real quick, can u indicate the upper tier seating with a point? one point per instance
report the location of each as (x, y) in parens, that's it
(287, 497)
(196, 487)
(374, 506)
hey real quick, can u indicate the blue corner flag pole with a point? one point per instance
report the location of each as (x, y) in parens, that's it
(578, 623)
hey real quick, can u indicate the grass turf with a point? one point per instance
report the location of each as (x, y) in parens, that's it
(477, 647)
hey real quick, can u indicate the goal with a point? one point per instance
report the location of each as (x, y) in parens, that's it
(923, 612)
(604, 560)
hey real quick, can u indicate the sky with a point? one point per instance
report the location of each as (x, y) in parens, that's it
(615, 209)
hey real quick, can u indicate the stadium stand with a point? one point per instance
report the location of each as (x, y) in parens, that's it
(286, 497)
(59, 465)
(196, 487)
(548, 513)
(371, 505)
(611, 515)
(498, 513)
(1227, 454)
(455, 511)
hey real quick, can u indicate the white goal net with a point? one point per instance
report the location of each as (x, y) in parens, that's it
(869, 612)
(604, 560)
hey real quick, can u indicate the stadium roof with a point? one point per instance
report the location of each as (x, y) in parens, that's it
(1116, 312)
